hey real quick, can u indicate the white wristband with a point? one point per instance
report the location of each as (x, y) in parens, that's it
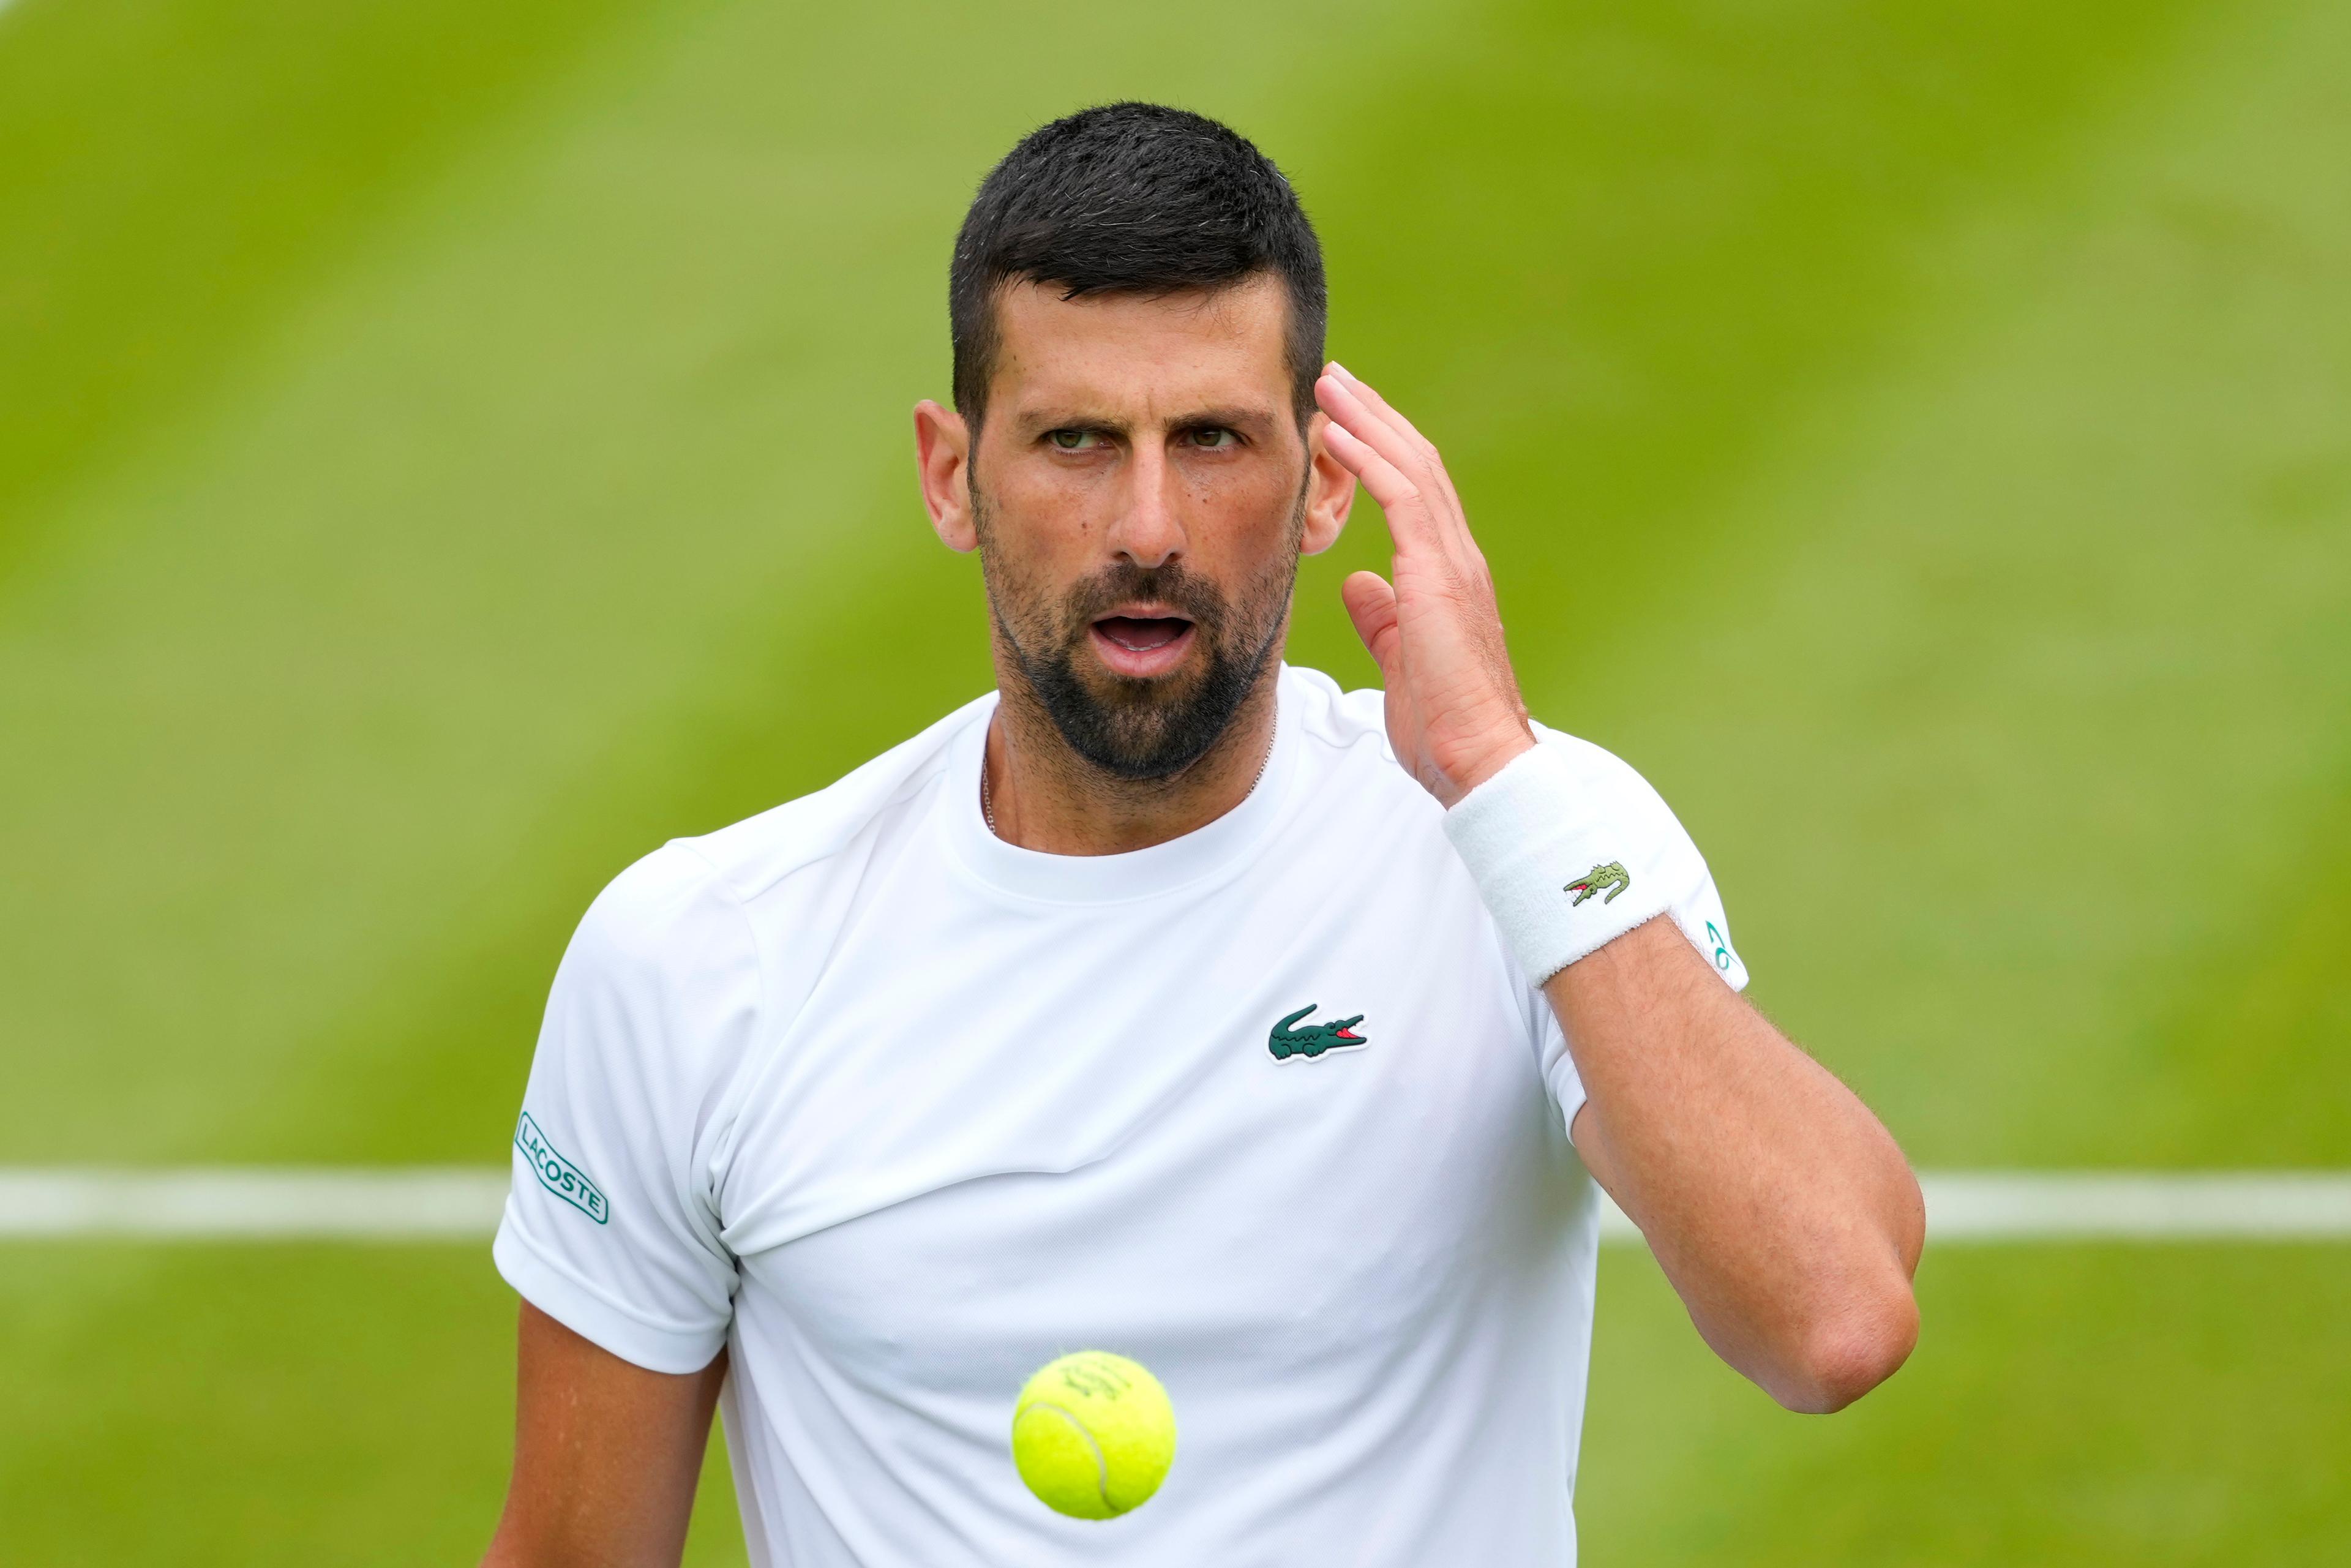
(1561, 876)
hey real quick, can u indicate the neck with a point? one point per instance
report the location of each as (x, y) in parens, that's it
(1045, 797)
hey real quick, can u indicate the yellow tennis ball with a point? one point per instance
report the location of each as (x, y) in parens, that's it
(1094, 1435)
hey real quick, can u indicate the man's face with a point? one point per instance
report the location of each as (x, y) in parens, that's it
(1140, 494)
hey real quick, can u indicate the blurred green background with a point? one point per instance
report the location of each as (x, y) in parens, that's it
(446, 450)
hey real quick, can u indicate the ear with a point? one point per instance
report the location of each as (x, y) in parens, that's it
(943, 457)
(1330, 490)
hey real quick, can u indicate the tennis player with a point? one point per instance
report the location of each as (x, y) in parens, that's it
(1167, 1001)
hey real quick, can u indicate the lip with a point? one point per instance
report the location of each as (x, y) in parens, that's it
(1142, 663)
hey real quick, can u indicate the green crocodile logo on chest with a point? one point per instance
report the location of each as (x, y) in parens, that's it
(1337, 1034)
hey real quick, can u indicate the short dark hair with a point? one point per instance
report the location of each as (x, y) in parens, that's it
(1133, 198)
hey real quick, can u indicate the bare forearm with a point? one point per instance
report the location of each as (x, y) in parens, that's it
(1776, 1204)
(1779, 1207)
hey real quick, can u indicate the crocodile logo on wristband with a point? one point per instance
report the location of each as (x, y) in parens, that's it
(1611, 877)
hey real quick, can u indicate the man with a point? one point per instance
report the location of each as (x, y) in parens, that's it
(1166, 1001)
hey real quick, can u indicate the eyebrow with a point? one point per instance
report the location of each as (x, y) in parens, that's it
(1234, 418)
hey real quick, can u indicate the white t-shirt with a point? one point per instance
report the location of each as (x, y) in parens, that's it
(896, 1112)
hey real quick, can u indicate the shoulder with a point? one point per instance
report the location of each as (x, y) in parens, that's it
(1345, 735)
(1352, 727)
(1346, 728)
(1348, 764)
(1590, 759)
(752, 889)
(693, 957)
(753, 859)
(1609, 776)
(1331, 716)
(663, 907)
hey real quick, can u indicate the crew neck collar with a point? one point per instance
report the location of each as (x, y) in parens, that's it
(1110, 878)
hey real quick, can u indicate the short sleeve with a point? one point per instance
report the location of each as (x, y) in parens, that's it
(1666, 850)
(612, 1225)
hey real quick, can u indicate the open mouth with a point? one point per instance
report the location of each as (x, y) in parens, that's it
(1140, 646)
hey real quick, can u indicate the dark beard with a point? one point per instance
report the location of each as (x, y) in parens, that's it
(1143, 729)
(1149, 730)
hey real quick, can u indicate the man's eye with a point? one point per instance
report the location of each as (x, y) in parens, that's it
(1214, 438)
(1074, 440)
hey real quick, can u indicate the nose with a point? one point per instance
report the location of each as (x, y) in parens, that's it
(1149, 530)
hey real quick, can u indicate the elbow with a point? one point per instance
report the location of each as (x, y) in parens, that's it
(1852, 1351)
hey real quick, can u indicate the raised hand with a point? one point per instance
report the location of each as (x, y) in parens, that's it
(1453, 709)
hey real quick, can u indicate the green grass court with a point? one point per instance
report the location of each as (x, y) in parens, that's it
(448, 450)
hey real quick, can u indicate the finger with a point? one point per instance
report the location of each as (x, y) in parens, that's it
(1414, 526)
(1372, 399)
(1348, 410)
(1410, 522)
(1368, 447)
(1372, 606)
(1424, 461)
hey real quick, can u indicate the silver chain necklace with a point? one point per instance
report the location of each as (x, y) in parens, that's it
(987, 804)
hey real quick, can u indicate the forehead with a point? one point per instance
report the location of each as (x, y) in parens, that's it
(1143, 356)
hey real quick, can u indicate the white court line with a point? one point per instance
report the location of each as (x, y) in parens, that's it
(282, 1203)
(2233, 1206)
(1975, 1207)
(258, 1203)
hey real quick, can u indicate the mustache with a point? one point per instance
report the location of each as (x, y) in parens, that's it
(1183, 591)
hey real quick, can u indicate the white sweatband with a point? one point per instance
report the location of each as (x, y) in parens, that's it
(1559, 869)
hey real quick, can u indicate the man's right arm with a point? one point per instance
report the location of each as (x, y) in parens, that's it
(612, 1235)
(606, 1455)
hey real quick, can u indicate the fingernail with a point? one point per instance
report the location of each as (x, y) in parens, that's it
(1343, 370)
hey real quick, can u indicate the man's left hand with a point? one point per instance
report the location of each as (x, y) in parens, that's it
(1453, 714)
